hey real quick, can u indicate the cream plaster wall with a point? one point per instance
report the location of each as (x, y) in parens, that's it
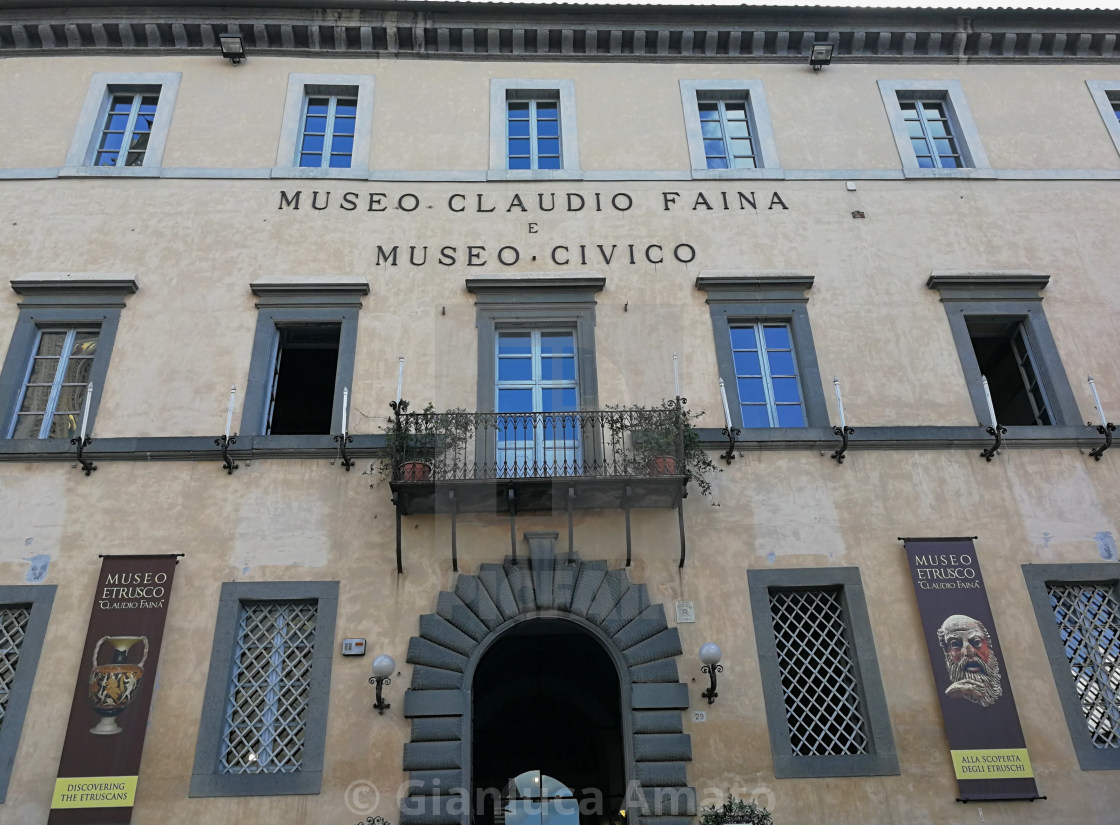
(434, 114)
(775, 510)
(194, 247)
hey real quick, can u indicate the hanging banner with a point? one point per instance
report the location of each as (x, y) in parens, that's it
(100, 761)
(985, 739)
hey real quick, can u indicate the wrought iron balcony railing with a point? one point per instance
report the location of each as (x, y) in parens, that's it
(478, 446)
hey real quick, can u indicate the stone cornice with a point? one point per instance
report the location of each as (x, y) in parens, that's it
(566, 32)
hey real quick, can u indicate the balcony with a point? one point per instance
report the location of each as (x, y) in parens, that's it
(510, 463)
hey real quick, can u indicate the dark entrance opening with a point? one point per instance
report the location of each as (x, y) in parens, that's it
(303, 380)
(546, 698)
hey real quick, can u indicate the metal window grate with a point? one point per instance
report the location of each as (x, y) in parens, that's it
(267, 706)
(13, 628)
(1088, 617)
(823, 705)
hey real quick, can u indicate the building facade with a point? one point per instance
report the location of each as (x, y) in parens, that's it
(552, 230)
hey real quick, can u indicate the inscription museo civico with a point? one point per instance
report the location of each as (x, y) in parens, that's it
(537, 204)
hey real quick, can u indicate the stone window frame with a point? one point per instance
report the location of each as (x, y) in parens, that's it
(284, 302)
(765, 146)
(528, 303)
(1105, 94)
(1037, 576)
(565, 91)
(742, 295)
(300, 86)
(951, 94)
(1012, 295)
(40, 599)
(53, 299)
(91, 121)
(206, 780)
(882, 759)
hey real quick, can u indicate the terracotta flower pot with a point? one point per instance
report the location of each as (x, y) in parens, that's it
(663, 465)
(415, 471)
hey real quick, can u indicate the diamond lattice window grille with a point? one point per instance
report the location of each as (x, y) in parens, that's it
(1088, 617)
(267, 706)
(13, 628)
(823, 706)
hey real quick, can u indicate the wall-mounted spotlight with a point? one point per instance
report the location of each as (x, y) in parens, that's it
(383, 667)
(821, 55)
(233, 47)
(710, 654)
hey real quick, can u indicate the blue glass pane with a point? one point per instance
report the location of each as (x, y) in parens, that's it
(515, 400)
(785, 390)
(515, 343)
(139, 141)
(347, 108)
(781, 363)
(914, 129)
(546, 111)
(925, 162)
(777, 337)
(519, 163)
(746, 363)
(708, 111)
(943, 146)
(558, 369)
(342, 145)
(316, 124)
(790, 416)
(148, 105)
(518, 108)
(515, 369)
(744, 163)
(121, 103)
(318, 106)
(751, 390)
(560, 400)
(111, 142)
(743, 338)
(937, 128)
(717, 163)
(950, 163)
(548, 128)
(737, 128)
(519, 128)
(106, 159)
(548, 146)
(755, 415)
(310, 160)
(143, 123)
(558, 343)
(519, 146)
(340, 161)
(711, 129)
(548, 163)
(713, 147)
(312, 143)
(344, 126)
(735, 110)
(117, 122)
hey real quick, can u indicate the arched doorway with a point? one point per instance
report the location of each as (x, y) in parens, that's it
(582, 597)
(546, 706)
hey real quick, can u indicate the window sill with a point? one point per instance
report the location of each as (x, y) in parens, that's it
(788, 766)
(110, 172)
(773, 173)
(901, 438)
(915, 172)
(260, 784)
(535, 174)
(299, 172)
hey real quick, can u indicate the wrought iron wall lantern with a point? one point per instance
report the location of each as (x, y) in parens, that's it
(710, 654)
(383, 667)
(233, 47)
(821, 55)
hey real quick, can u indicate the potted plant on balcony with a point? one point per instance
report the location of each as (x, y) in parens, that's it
(416, 442)
(664, 442)
(735, 811)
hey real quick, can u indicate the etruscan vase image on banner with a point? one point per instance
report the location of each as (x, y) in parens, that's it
(99, 770)
(986, 744)
(113, 686)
